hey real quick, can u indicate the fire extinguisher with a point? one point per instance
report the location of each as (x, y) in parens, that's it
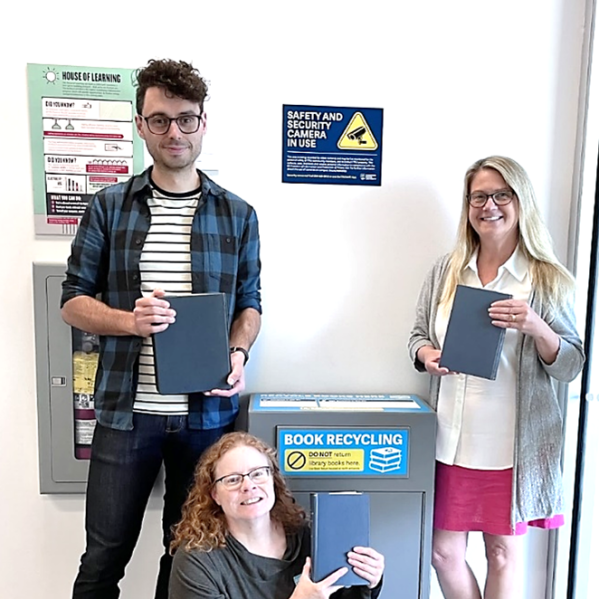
(85, 365)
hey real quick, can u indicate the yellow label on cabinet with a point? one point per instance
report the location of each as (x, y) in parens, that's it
(85, 366)
(324, 460)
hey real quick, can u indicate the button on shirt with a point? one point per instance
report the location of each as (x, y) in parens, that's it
(476, 416)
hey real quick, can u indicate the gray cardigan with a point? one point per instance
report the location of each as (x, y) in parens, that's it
(537, 484)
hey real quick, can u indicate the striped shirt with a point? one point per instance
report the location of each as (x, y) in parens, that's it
(105, 257)
(165, 264)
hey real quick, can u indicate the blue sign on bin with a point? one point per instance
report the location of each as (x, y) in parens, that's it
(343, 451)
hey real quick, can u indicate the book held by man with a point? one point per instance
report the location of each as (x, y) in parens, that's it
(472, 344)
(192, 354)
(340, 522)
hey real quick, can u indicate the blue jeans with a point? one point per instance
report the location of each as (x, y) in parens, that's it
(123, 470)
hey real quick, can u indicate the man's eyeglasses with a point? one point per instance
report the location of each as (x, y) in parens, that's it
(233, 481)
(501, 198)
(159, 124)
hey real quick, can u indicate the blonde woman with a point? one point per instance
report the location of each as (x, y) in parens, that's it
(498, 442)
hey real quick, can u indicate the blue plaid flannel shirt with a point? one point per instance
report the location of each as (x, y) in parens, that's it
(105, 254)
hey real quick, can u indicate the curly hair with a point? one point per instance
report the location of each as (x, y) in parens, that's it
(203, 524)
(177, 78)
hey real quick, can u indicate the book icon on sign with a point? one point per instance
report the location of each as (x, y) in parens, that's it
(385, 459)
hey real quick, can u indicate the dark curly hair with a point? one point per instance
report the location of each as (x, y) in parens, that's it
(203, 524)
(177, 78)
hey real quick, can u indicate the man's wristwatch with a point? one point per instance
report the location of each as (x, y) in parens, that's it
(246, 355)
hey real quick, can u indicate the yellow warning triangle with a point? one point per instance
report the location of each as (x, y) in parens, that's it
(357, 135)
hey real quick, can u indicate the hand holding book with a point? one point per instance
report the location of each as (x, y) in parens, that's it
(307, 589)
(152, 314)
(367, 563)
(517, 314)
(430, 356)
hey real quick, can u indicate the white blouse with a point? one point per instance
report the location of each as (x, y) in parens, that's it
(476, 417)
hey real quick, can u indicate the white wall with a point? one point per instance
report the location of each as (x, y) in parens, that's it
(342, 265)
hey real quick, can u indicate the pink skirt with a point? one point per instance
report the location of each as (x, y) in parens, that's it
(479, 500)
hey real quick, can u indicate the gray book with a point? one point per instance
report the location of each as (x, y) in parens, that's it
(192, 354)
(340, 522)
(472, 344)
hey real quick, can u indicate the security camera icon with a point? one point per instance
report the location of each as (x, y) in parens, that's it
(357, 134)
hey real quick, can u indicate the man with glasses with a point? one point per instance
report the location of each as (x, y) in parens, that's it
(169, 230)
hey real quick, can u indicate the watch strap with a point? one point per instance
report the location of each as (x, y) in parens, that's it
(246, 354)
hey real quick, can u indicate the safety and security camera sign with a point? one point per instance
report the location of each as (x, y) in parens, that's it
(325, 144)
(343, 451)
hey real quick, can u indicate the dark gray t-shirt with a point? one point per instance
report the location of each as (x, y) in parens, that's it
(232, 572)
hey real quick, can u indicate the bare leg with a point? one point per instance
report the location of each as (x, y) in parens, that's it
(449, 560)
(503, 554)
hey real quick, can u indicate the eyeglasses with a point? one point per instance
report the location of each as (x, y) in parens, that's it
(159, 124)
(233, 481)
(501, 198)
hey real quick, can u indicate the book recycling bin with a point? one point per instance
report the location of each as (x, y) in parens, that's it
(383, 445)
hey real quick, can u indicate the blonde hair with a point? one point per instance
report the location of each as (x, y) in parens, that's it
(203, 524)
(550, 279)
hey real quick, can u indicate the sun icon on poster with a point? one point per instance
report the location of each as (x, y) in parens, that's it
(50, 75)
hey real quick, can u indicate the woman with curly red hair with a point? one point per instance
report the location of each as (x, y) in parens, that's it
(243, 536)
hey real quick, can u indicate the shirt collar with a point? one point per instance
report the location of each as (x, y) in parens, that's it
(144, 182)
(141, 182)
(516, 264)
